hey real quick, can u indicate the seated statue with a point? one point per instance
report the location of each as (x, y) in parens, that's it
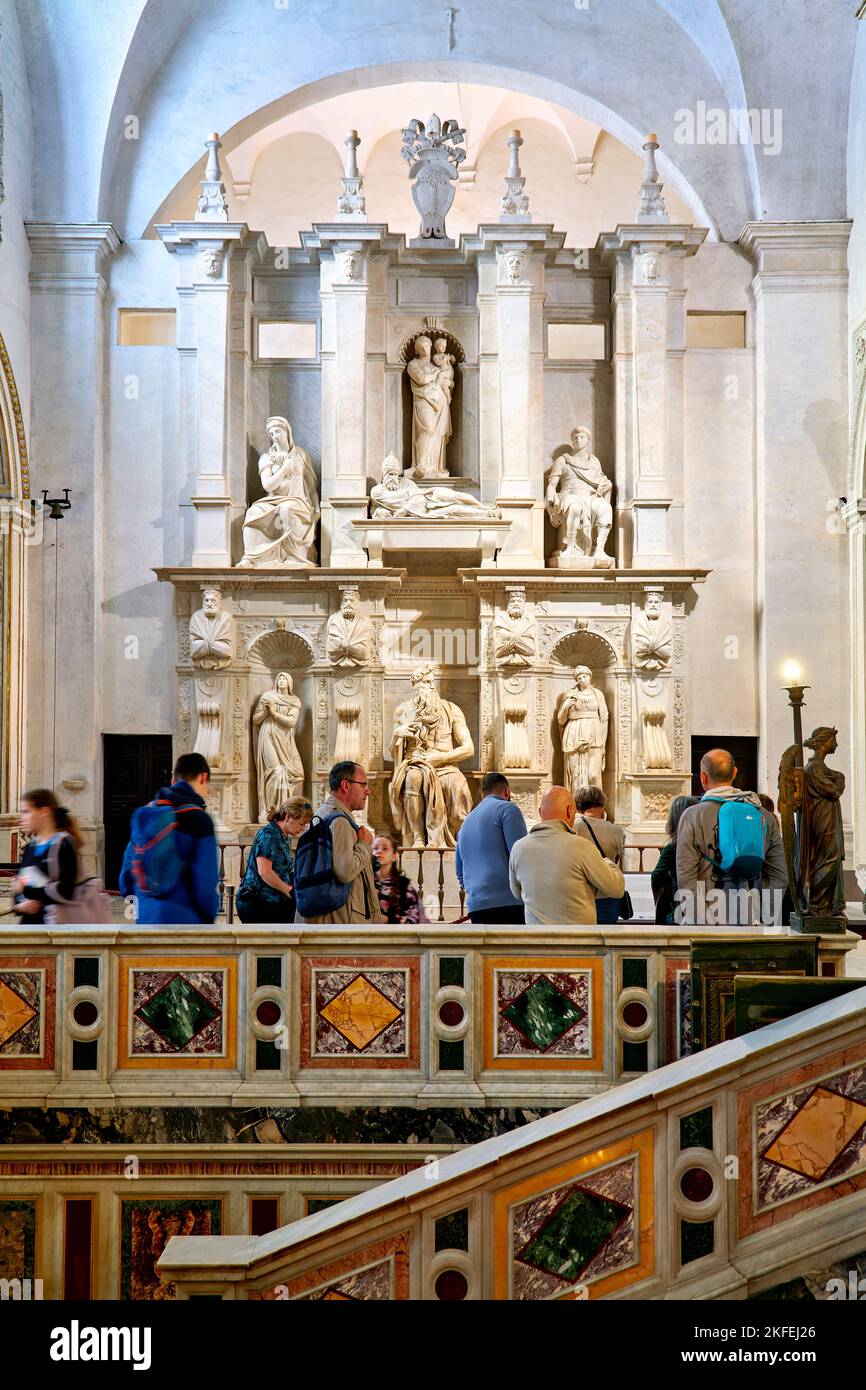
(398, 496)
(280, 528)
(429, 796)
(578, 501)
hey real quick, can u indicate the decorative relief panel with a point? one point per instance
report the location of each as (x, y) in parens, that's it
(27, 1027)
(679, 726)
(239, 727)
(177, 1013)
(545, 1014)
(360, 1012)
(583, 1227)
(184, 716)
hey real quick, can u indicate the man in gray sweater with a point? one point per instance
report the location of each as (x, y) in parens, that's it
(558, 873)
(702, 897)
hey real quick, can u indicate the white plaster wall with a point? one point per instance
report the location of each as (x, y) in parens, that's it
(17, 166)
(857, 185)
(719, 503)
(148, 514)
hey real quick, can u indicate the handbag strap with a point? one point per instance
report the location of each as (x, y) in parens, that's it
(585, 820)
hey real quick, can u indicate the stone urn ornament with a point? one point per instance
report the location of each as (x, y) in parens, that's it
(433, 153)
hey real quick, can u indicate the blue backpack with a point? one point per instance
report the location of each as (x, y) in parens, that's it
(157, 863)
(741, 839)
(318, 891)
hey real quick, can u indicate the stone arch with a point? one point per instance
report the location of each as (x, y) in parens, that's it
(280, 650)
(19, 525)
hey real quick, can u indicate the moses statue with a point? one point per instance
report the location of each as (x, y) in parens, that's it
(429, 795)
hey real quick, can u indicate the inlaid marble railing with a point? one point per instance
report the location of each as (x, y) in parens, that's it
(724, 1175)
(433, 1015)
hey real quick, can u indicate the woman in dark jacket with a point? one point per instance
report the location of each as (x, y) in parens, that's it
(664, 875)
(399, 898)
(48, 872)
(266, 893)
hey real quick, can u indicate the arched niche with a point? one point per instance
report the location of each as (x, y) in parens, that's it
(269, 654)
(585, 648)
(432, 327)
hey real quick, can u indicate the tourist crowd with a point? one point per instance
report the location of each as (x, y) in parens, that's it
(328, 866)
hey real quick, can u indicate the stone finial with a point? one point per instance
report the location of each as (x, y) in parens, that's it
(515, 203)
(212, 204)
(351, 204)
(652, 204)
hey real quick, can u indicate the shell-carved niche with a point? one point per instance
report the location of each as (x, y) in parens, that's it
(280, 650)
(584, 648)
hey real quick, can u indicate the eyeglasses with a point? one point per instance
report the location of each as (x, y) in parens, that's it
(353, 782)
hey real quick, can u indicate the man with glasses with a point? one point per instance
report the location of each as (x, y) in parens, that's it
(353, 856)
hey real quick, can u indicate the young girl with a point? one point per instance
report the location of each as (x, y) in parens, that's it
(48, 872)
(399, 898)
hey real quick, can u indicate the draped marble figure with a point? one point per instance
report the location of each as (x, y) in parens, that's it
(398, 496)
(350, 636)
(210, 633)
(280, 528)
(652, 636)
(514, 634)
(432, 388)
(578, 501)
(583, 719)
(279, 771)
(429, 795)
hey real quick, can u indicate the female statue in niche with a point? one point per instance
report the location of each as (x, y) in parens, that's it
(279, 771)
(814, 851)
(432, 387)
(583, 718)
(280, 528)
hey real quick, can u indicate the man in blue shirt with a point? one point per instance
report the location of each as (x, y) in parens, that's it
(483, 849)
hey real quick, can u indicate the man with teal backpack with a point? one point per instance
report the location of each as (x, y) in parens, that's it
(170, 864)
(728, 842)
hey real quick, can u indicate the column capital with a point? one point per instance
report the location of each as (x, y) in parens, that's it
(633, 239)
(789, 249)
(67, 257)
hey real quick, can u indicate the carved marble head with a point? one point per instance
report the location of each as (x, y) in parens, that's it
(516, 603)
(581, 438)
(582, 677)
(283, 683)
(424, 676)
(652, 604)
(423, 345)
(212, 261)
(441, 345)
(279, 432)
(349, 602)
(211, 601)
(351, 265)
(513, 261)
(392, 471)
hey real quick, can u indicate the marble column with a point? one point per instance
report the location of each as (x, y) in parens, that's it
(649, 342)
(66, 444)
(801, 342)
(204, 251)
(511, 362)
(352, 393)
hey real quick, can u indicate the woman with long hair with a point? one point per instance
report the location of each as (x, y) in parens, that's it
(399, 897)
(266, 893)
(664, 875)
(48, 872)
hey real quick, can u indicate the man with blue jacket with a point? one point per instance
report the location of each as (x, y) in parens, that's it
(483, 850)
(170, 865)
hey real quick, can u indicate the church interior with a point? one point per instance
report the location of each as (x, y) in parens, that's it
(361, 365)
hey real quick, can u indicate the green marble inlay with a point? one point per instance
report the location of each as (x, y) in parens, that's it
(451, 970)
(696, 1240)
(452, 1231)
(635, 1056)
(696, 1130)
(177, 1012)
(634, 972)
(269, 970)
(321, 1203)
(575, 1232)
(542, 1013)
(450, 1056)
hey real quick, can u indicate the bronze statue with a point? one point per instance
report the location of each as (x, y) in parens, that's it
(809, 804)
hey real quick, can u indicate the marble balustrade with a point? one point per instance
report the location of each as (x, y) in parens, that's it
(398, 1016)
(736, 1173)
